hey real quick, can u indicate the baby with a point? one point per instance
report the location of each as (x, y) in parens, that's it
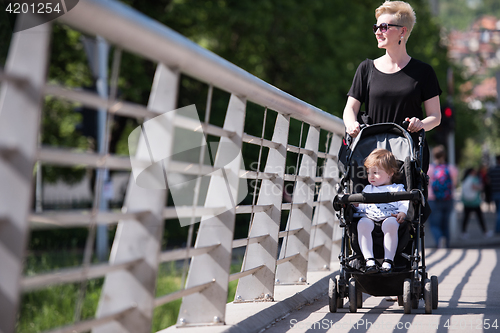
(382, 168)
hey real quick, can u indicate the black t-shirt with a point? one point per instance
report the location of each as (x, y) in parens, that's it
(395, 96)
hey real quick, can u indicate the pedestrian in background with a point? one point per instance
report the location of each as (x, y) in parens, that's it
(485, 179)
(442, 183)
(494, 175)
(472, 187)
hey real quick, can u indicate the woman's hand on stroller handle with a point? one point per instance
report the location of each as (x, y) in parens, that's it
(413, 125)
(353, 130)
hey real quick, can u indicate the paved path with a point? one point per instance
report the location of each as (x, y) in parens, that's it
(469, 296)
(476, 237)
(469, 301)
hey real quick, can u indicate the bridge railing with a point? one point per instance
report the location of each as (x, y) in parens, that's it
(273, 254)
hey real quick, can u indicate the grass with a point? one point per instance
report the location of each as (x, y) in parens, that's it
(169, 280)
(54, 306)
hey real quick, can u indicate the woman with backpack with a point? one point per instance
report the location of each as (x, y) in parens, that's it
(442, 182)
(471, 198)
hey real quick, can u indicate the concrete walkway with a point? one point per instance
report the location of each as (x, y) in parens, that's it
(469, 297)
(469, 301)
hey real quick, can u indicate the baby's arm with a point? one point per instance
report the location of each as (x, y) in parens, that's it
(400, 217)
(402, 207)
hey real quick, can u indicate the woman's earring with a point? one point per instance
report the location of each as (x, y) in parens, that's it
(400, 40)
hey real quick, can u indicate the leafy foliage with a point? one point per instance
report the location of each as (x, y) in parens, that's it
(460, 14)
(310, 51)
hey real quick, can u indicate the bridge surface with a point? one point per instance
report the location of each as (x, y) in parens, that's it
(469, 301)
(469, 296)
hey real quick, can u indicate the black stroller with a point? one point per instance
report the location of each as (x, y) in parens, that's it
(408, 279)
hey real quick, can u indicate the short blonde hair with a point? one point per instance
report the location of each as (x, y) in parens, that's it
(384, 159)
(402, 11)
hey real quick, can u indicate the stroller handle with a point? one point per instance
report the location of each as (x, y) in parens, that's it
(344, 199)
(421, 133)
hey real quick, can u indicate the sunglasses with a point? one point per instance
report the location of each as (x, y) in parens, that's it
(384, 27)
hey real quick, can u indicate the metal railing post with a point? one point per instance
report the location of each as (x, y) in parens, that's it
(20, 111)
(260, 285)
(294, 271)
(209, 305)
(140, 238)
(324, 219)
(337, 231)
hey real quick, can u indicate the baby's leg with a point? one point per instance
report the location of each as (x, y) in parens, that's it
(365, 228)
(390, 228)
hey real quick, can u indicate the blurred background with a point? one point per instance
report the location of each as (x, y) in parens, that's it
(310, 50)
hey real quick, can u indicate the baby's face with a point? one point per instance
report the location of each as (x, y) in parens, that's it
(378, 176)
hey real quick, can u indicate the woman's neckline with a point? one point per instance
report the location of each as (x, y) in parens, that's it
(411, 59)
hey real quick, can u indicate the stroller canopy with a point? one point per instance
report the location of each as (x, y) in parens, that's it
(384, 135)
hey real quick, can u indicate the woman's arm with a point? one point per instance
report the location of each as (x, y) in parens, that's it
(433, 111)
(433, 119)
(351, 115)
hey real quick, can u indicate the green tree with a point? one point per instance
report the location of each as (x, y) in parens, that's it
(308, 50)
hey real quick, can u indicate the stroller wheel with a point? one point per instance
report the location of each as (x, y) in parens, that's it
(352, 295)
(359, 298)
(400, 300)
(434, 288)
(407, 296)
(428, 296)
(332, 295)
(340, 293)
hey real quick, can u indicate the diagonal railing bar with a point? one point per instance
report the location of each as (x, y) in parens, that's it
(239, 275)
(287, 259)
(69, 275)
(260, 141)
(182, 293)
(247, 241)
(179, 254)
(86, 325)
(286, 233)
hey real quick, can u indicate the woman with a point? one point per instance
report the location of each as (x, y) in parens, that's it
(471, 198)
(398, 83)
(443, 180)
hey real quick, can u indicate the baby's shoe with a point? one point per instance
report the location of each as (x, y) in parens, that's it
(387, 266)
(371, 266)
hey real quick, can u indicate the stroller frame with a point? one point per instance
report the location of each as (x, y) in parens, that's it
(409, 284)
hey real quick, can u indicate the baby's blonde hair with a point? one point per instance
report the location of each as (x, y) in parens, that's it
(384, 159)
(402, 11)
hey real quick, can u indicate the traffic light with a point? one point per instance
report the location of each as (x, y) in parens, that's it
(447, 118)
